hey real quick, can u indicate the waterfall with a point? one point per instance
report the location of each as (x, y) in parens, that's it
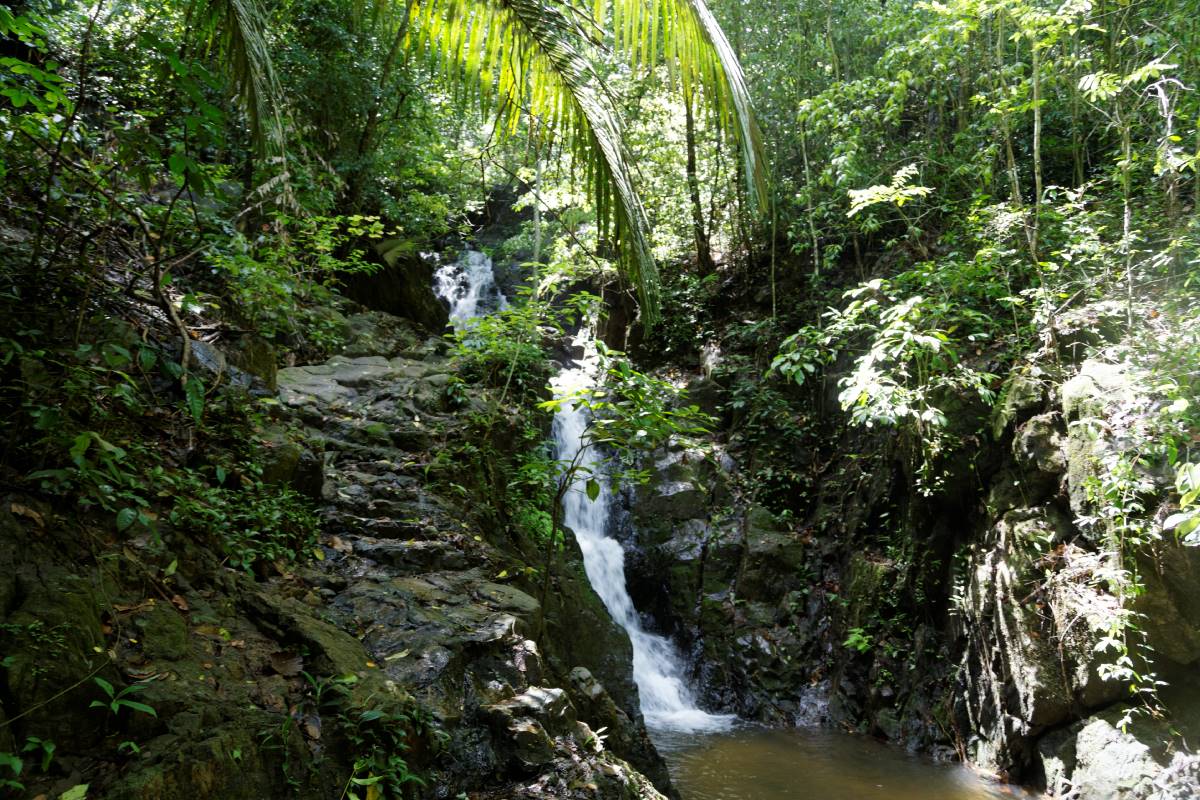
(667, 701)
(469, 286)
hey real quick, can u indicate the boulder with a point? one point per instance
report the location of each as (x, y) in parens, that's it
(1112, 764)
(254, 355)
(402, 286)
(1024, 392)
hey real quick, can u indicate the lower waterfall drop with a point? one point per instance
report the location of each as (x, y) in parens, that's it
(468, 285)
(667, 701)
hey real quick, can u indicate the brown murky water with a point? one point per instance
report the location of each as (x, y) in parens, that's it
(813, 764)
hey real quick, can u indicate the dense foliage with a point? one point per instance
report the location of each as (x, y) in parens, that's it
(958, 191)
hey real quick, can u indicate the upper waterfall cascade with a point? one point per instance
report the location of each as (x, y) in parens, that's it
(469, 285)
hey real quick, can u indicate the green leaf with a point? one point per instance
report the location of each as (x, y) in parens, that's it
(593, 489)
(12, 762)
(136, 706)
(126, 517)
(106, 686)
(194, 393)
(77, 792)
(80, 447)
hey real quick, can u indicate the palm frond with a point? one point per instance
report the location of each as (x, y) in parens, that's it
(700, 58)
(524, 58)
(236, 30)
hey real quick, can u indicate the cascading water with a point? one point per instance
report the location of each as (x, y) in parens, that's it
(667, 702)
(469, 286)
(743, 764)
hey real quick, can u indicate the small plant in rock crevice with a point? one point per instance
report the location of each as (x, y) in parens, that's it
(857, 639)
(117, 700)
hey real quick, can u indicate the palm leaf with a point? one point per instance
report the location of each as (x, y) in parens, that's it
(701, 60)
(524, 58)
(236, 30)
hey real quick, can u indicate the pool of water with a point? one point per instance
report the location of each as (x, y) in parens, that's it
(749, 763)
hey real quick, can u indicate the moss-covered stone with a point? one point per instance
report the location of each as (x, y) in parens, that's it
(163, 633)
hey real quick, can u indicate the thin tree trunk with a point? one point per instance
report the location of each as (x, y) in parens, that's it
(704, 260)
(811, 213)
(366, 140)
(1076, 136)
(1037, 149)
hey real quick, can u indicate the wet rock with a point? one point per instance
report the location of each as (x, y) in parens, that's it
(596, 707)
(403, 287)
(774, 557)
(413, 556)
(1111, 764)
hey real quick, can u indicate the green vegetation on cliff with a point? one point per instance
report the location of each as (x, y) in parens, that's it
(937, 478)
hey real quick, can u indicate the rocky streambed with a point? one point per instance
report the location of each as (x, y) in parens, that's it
(409, 636)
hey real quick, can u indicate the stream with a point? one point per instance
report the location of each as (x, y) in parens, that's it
(710, 756)
(757, 763)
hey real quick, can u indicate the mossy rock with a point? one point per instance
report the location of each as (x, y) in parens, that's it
(866, 580)
(55, 640)
(163, 633)
(255, 355)
(253, 759)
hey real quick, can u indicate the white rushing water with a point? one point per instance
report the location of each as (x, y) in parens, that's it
(667, 701)
(469, 286)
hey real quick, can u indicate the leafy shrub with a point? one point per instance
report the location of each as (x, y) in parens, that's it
(256, 523)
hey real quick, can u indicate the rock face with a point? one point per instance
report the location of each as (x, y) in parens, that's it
(412, 635)
(1045, 612)
(726, 581)
(987, 622)
(423, 595)
(401, 286)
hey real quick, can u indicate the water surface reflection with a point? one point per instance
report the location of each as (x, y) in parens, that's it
(813, 764)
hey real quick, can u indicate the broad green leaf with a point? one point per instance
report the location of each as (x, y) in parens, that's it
(126, 517)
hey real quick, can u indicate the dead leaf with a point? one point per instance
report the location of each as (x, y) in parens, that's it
(179, 602)
(28, 513)
(287, 664)
(341, 546)
(129, 608)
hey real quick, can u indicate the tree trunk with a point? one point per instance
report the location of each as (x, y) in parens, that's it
(704, 260)
(356, 180)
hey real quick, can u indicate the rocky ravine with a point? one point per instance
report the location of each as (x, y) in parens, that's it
(985, 606)
(407, 636)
